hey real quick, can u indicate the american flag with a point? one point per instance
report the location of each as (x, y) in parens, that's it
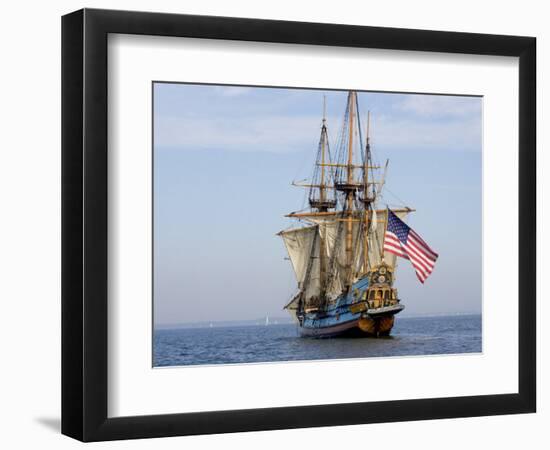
(403, 241)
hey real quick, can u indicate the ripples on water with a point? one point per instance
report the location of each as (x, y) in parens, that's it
(251, 344)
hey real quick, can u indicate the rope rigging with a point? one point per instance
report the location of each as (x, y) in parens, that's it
(341, 202)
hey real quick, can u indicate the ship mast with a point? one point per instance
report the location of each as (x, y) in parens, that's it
(323, 143)
(349, 193)
(322, 199)
(366, 199)
(322, 248)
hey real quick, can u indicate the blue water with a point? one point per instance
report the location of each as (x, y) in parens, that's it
(251, 344)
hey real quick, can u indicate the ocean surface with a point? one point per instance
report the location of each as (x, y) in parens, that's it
(260, 343)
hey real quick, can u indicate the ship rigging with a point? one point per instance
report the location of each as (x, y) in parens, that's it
(345, 278)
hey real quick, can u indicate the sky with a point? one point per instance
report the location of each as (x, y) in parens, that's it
(224, 161)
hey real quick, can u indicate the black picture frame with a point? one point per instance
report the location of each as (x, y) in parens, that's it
(84, 224)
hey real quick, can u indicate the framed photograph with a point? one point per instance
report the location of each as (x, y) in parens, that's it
(273, 224)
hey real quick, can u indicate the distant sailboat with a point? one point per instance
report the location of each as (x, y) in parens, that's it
(266, 321)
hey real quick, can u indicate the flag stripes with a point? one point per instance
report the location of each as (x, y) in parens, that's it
(403, 241)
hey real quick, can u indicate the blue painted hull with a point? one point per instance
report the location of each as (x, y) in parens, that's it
(339, 319)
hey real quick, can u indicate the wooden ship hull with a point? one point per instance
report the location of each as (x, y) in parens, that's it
(353, 315)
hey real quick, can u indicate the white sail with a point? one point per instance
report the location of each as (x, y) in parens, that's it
(335, 243)
(299, 242)
(376, 240)
(302, 245)
(293, 305)
(373, 221)
(334, 256)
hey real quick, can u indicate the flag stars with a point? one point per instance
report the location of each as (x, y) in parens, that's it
(402, 241)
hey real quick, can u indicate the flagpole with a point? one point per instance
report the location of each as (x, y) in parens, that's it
(385, 229)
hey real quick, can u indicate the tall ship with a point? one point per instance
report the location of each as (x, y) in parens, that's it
(345, 276)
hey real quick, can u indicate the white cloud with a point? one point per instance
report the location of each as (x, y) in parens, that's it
(272, 134)
(287, 133)
(460, 134)
(232, 91)
(441, 106)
